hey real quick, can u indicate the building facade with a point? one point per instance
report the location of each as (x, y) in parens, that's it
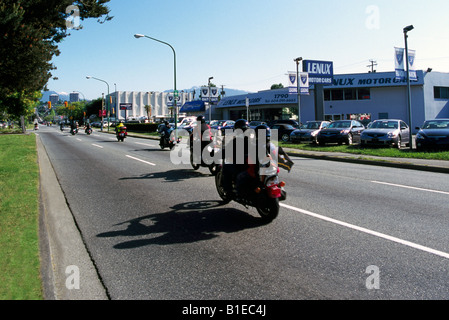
(366, 97)
(159, 104)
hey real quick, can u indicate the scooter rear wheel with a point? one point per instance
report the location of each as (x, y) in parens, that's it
(268, 209)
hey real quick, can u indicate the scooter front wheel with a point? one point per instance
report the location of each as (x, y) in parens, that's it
(219, 186)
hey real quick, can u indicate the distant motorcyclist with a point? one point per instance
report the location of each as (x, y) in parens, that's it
(117, 128)
(165, 132)
(202, 132)
(73, 127)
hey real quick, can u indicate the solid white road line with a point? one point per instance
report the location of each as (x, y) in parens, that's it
(368, 231)
(137, 159)
(146, 144)
(96, 145)
(409, 187)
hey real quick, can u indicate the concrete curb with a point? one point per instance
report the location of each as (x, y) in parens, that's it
(401, 163)
(64, 256)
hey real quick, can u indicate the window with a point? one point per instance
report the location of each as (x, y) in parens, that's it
(337, 94)
(364, 94)
(441, 92)
(350, 94)
(347, 94)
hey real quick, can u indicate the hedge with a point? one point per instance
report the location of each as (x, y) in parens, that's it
(142, 127)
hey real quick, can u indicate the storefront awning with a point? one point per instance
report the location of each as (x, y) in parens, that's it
(193, 106)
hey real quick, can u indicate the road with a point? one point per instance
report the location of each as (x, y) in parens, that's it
(158, 231)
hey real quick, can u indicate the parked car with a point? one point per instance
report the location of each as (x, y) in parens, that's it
(293, 123)
(254, 124)
(309, 132)
(222, 125)
(386, 132)
(341, 131)
(434, 134)
(283, 131)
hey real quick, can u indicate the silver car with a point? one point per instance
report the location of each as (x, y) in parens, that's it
(387, 132)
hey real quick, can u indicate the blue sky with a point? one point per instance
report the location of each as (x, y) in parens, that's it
(244, 44)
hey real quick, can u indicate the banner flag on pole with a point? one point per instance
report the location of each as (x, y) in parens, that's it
(399, 63)
(411, 64)
(304, 83)
(214, 94)
(205, 94)
(292, 83)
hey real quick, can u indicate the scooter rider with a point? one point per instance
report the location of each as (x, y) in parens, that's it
(235, 152)
(165, 132)
(202, 132)
(260, 162)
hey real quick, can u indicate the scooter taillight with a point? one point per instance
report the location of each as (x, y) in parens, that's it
(274, 191)
(272, 187)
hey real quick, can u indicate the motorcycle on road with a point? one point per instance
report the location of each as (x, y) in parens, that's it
(264, 194)
(121, 134)
(167, 140)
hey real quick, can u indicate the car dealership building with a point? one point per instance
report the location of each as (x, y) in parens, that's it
(365, 97)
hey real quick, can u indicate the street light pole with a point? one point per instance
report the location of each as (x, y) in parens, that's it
(298, 60)
(409, 95)
(107, 103)
(137, 36)
(210, 109)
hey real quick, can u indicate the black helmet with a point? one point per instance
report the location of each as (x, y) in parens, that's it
(166, 123)
(201, 119)
(241, 124)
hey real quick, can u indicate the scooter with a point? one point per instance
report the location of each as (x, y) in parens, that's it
(264, 196)
(36, 126)
(88, 131)
(167, 140)
(197, 161)
(121, 134)
(73, 131)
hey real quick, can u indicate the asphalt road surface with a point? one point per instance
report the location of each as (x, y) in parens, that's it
(158, 231)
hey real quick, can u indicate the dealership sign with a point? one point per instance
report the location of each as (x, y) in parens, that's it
(320, 72)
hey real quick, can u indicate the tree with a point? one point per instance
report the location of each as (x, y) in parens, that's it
(277, 86)
(30, 31)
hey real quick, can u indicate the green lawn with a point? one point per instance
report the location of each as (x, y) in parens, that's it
(380, 152)
(19, 212)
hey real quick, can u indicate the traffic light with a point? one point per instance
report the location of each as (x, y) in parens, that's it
(49, 105)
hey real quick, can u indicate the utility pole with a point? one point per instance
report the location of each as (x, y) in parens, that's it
(373, 63)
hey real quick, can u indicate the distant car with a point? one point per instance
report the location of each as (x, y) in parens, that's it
(293, 123)
(387, 132)
(434, 134)
(283, 131)
(222, 125)
(309, 132)
(341, 131)
(254, 124)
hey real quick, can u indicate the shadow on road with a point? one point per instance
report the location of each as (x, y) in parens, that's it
(186, 223)
(171, 175)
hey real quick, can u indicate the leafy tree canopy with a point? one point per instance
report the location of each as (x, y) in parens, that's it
(30, 31)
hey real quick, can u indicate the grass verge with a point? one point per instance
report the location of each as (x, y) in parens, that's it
(19, 215)
(373, 151)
